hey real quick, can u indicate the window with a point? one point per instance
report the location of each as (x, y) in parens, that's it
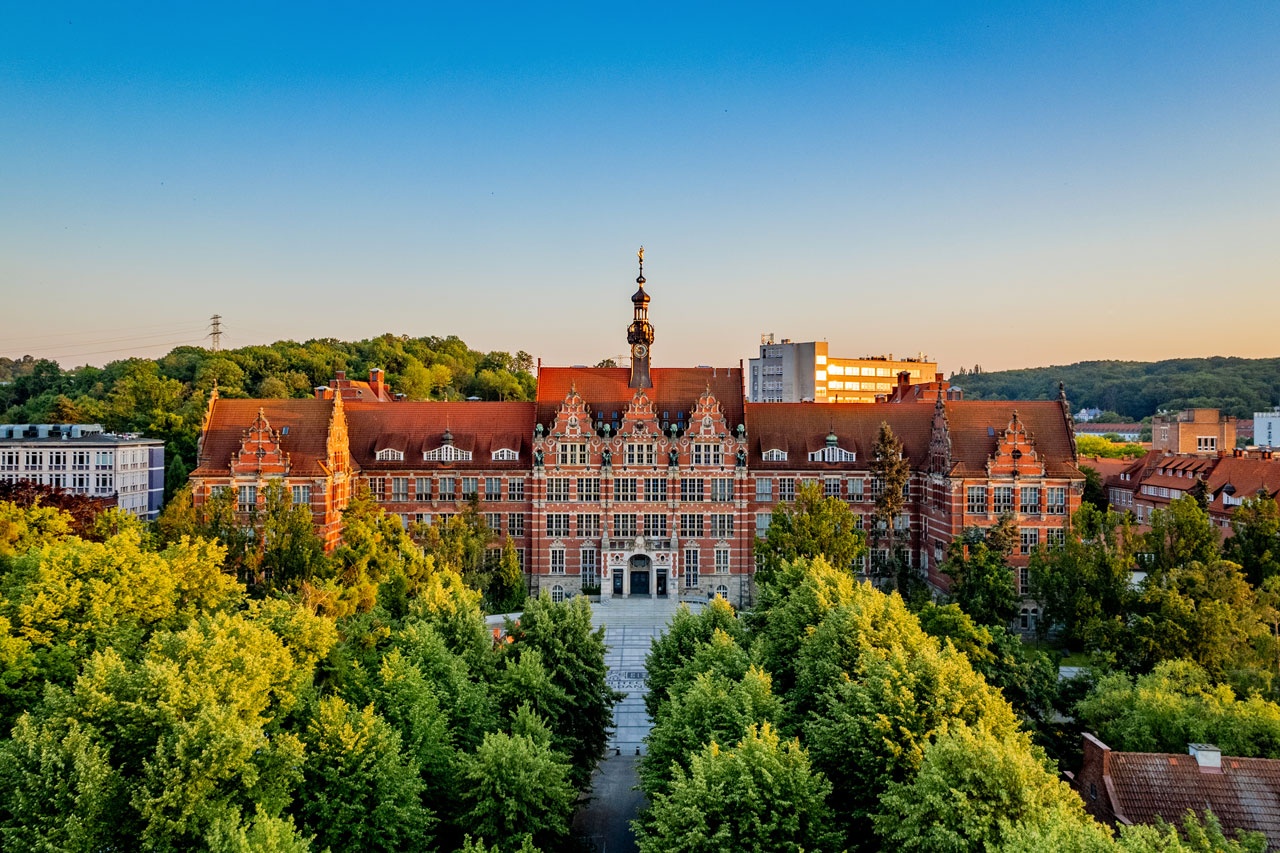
(58, 460)
(722, 561)
(247, 500)
(447, 453)
(624, 524)
(855, 488)
(690, 525)
(763, 520)
(1024, 580)
(389, 455)
(691, 489)
(493, 521)
(104, 484)
(79, 460)
(690, 568)
(1057, 500)
(655, 489)
(1206, 442)
(448, 488)
(102, 460)
(400, 489)
(774, 456)
(493, 488)
(557, 593)
(655, 524)
(589, 489)
(557, 561)
(877, 488)
(625, 489)
(590, 560)
(505, 454)
(1003, 499)
(378, 488)
(787, 489)
(1055, 537)
(558, 489)
(764, 489)
(571, 453)
(520, 558)
(722, 489)
(832, 453)
(301, 495)
(721, 525)
(831, 487)
(1028, 538)
(557, 524)
(706, 453)
(588, 524)
(470, 487)
(515, 524)
(639, 454)
(515, 490)
(422, 489)
(1029, 500)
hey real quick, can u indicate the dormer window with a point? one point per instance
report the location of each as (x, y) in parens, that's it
(447, 453)
(775, 456)
(505, 454)
(833, 453)
(389, 455)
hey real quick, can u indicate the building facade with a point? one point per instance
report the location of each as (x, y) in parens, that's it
(649, 480)
(791, 372)
(1205, 431)
(84, 460)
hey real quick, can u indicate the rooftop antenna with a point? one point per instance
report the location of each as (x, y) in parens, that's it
(215, 331)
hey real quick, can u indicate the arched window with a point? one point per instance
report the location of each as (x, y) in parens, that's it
(505, 454)
(447, 453)
(723, 592)
(832, 453)
(557, 593)
(775, 456)
(390, 455)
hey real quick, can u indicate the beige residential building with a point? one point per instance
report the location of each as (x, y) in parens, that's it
(805, 372)
(1193, 431)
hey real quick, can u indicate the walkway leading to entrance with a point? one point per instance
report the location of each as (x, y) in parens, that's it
(630, 625)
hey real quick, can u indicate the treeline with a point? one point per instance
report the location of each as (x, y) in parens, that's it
(150, 700)
(837, 717)
(1136, 389)
(166, 398)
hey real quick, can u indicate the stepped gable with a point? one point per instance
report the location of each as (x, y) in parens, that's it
(416, 428)
(977, 428)
(802, 428)
(606, 390)
(301, 428)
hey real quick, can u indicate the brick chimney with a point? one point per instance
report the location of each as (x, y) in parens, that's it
(376, 382)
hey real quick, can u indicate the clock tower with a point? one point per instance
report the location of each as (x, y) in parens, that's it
(640, 333)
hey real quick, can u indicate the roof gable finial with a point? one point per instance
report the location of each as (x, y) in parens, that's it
(640, 256)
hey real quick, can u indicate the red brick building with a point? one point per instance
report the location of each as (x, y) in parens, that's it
(649, 480)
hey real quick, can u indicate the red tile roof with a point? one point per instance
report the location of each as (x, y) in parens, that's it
(801, 428)
(480, 427)
(675, 389)
(302, 425)
(1246, 475)
(975, 427)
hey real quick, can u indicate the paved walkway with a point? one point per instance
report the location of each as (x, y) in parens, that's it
(630, 626)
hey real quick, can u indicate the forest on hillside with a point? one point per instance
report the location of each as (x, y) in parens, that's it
(1136, 389)
(166, 397)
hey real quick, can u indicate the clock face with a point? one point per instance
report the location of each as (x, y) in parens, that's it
(639, 350)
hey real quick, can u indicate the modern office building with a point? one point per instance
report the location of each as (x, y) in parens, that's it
(790, 372)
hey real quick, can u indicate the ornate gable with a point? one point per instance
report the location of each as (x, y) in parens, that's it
(940, 439)
(573, 417)
(707, 419)
(260, 452)
(337, 446)
(1015, 454)
(640, 417)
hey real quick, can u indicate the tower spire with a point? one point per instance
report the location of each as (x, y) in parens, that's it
(640, 333)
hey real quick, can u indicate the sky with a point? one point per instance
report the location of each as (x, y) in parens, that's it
(1003, 184)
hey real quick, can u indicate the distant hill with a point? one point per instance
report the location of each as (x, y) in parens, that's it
(1136, 389)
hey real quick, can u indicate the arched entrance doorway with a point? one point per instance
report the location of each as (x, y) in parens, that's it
(639, 567)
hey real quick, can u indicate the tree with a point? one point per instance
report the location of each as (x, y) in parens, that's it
(890, 472)
(1181, 534)
(982, 582)
(292, 553)
(516, 787)
(684, 635)
(1255, 543)
(760, 795)
(1095, 493)
(813, 525)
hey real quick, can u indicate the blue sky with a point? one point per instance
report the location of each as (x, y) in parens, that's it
(1003, 184)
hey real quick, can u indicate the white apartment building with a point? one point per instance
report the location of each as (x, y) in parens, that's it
(1266, 428)
(790, 372)
(84, 460)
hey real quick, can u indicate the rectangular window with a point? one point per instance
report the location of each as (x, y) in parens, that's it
(557, 489)
(1002, 499)
(1057, 496)
(976, 501)
(515, 490)
(247, 499)
(624, 525)
(787, 489)
(422, 488)
(764, 489)
(103, 459)
(493, 521)
(470, 488)
(690, 568)
(690, 525)
(639, 453)
(35, 461)
(655, 524)
(655, 489)
(590, 559)
(721, 525)
(448, 489)
(558, 524)
(722, 561)
(722, 489)
(855, 488)
(831, 487)
(301, 495)
(557, 561)
(378, 488)
(58, 460)
(104, 484)
(706, 453)
(1055, 537)
(1024, 580)
(520, 558)
(571, 453)
(691, 489)
(493, 488)
(400, 489)
(79, 460)
(625, 489)
(1028, 539)
(1029, 500)
(589, 489)
(1206, 443)
(877, 488)
(515, 524)
(588, 525)
(763, 520)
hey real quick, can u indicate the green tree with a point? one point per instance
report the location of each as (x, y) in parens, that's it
(675, 646)
(760, 795)
(812, 525)
(890, 472)
(292, 553)
(1181, 534)
(516, 787)
(1255, 540)
(982, 582)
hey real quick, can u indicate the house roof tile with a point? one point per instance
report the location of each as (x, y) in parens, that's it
(302, 426)
(606, 390)
(479, 427)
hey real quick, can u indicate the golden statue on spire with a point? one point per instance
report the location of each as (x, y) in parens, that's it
(640, 254)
